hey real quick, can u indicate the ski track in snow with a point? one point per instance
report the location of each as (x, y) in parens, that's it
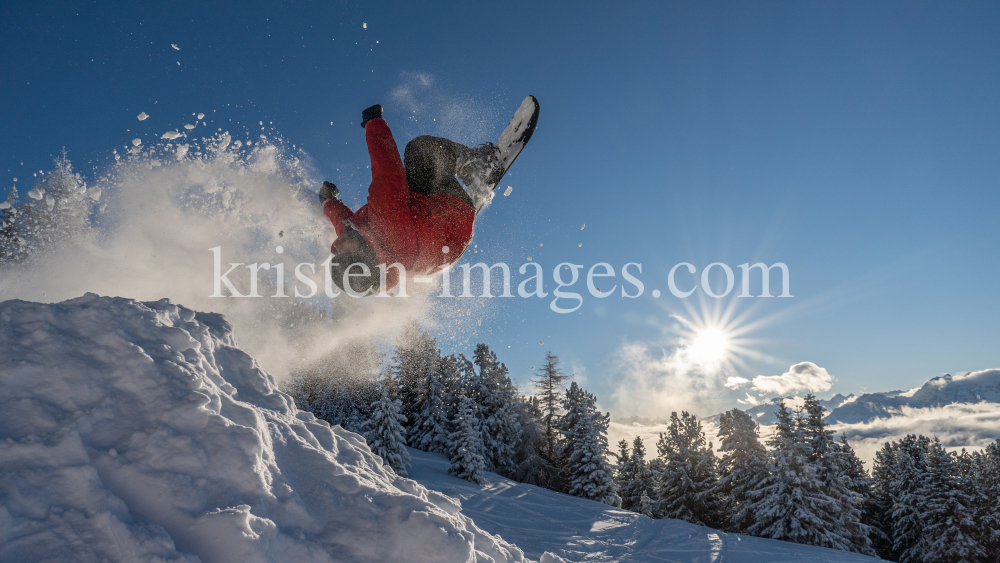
(538, 520)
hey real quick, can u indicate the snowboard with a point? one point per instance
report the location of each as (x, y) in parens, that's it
(485, 166)
(516, 135)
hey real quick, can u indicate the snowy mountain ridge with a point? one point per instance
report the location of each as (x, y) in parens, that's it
(968, 388)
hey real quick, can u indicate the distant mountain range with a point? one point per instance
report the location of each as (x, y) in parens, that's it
(962, 410)
(969, 388)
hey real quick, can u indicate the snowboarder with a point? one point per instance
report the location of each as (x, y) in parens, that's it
(420, 214)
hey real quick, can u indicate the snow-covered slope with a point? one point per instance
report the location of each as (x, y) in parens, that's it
(138, 432)
(540, 521)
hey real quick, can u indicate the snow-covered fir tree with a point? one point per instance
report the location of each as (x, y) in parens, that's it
(933, 512)
(858, 484)
(790, 504)
(878, 511)
(634, 478)
(529, 466)
(549, 390)
(429, 431)
(341, 386)
(687, 488)
(465, 442)
(982, 483)
(647, 506)
(415, 358)
(572, 413)
(742, 465)
(496, 396)
(831, 463)
(10, 246)
(949, 534)
(621, 471)
(909, 502)
(57, 210)
(452, 370)
(585, 448)
(384, 432)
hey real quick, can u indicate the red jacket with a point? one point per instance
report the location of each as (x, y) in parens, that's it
(424, 233)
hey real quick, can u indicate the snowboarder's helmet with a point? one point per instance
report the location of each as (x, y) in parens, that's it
(355, 257)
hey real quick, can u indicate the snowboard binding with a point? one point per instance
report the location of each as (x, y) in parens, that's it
(480, 171)
(484, 166)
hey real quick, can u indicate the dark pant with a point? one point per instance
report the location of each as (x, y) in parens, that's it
(430, 166)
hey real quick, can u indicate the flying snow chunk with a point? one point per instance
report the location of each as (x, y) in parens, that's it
(508, 190)
(95, 192)
(201, 116)
(364, 25)
(4, 205)
(182, 151)
(36, 193)
(142, 116)
(582, 225)
(136, 142)
(174, 45)
(171, 135)
(189, 126)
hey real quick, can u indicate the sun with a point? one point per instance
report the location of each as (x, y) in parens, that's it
(712, 338)
(709, 346)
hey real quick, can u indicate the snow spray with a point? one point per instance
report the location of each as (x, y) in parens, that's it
(166, 204)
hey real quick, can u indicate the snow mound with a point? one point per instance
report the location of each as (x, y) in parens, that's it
(139, 432)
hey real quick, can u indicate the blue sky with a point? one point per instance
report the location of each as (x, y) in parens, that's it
(857, 142)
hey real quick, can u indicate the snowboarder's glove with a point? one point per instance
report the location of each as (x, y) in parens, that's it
(328, 191)
(374, 112)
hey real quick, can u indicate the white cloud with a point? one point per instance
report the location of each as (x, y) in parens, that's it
(654, 383)
(736, 382)
(960, 425)
(804, 376)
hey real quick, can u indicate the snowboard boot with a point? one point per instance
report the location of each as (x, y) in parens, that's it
(479, 171)
(482, 168)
